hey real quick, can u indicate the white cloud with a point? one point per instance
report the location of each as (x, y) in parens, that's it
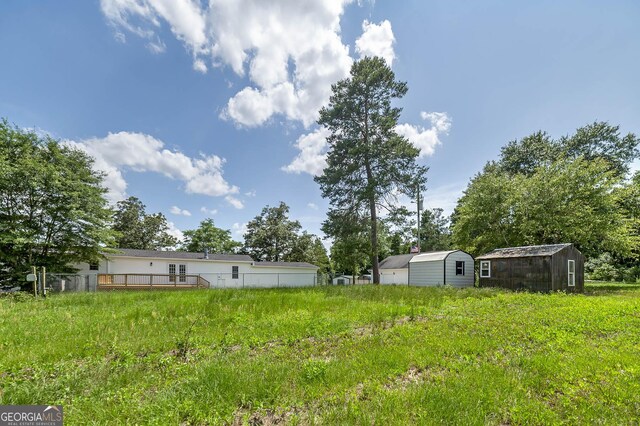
(207, 211)
(179, 212)
(143, 153)
(142, 17)
(376, 40)
(291, 50)
(251, 193)
(120, 37)
(426, 139)
(312, 206)
(239, 229)
(174, 231)
(312, 158)
(200, 66)
(234, 202)
(156, 47)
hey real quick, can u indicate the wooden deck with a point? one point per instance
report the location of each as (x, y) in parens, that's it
(151, 282)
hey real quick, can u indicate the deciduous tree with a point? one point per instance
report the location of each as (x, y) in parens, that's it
(53, 211)
(209, 237)
(138, 230)
(309, 248)
(567, 201)
(596, 140)
(271, 236)
(434, 230)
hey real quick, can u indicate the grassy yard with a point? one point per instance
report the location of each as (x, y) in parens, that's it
(330, 355)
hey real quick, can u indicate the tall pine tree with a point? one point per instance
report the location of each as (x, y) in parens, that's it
(367, 161)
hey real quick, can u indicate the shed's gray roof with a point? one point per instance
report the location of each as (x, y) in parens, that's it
(179, 255)
(398, 261)
(526, 251)
(287, 264)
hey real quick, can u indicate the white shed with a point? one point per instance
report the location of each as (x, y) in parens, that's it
(342, 279)
(453, 267)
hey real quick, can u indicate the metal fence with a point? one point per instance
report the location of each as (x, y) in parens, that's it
(71, 282)
(57, 282)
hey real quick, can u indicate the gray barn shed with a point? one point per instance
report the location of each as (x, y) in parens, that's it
(453, 267)
(536, 268)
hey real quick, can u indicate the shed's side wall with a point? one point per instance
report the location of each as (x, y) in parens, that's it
(520, 273)
(426, 273)
(465, 280)
(560, 268)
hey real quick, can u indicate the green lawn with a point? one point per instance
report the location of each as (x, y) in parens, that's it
(327, 355)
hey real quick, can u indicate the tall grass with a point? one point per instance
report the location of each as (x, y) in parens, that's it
(329, 355)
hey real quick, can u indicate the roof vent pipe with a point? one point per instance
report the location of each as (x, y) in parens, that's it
(206, 253)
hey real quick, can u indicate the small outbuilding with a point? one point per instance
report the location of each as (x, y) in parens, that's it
(453, 267)
(544, 268)
(342, 279)
(395, 269)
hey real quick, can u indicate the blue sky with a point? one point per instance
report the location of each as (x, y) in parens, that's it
(207, 109)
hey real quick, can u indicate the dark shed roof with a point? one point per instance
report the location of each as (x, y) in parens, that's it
(180, 255)
(398, 261)
(526, 251)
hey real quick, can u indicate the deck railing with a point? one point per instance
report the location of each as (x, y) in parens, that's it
(150, 281)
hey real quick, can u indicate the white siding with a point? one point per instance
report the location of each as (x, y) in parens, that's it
(270, 276)
(426, 273)
(218, 273)
(465, 280)
(430, 271)
(394, 276)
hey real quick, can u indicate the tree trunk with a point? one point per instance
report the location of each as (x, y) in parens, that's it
(372, 202)
(374, 242)
(374, 229)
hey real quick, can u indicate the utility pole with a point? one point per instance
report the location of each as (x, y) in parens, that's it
(419, 205)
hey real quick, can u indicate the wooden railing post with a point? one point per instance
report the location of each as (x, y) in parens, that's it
(150, 280)
(125, 279)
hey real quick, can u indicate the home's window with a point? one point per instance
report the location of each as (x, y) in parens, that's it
(183, 273)
(234, 272)
(172, 272)
(485, 269)
(572, 273)
(93, 266)
(459, 267)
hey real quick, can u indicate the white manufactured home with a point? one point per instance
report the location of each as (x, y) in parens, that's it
(453, 267)
(175, 268)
